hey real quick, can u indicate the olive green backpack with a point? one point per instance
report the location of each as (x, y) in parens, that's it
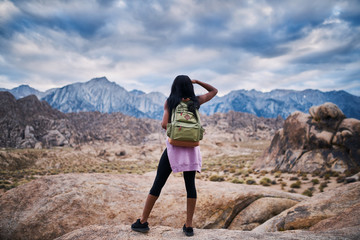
(185, 129)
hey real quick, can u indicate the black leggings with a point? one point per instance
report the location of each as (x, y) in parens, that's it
(163, 172)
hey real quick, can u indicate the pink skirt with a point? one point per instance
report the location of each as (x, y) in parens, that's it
(184, 159)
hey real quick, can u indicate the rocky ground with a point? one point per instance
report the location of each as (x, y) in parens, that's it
(119, 232)
(53, 206)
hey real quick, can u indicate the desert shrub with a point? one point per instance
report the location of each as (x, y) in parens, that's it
(294, 179)
(283, 184)
(316, 173)
(304, 178)
(296, 184)
(238, 181)
(250, 181)
(216, 178)
(265, 181)
(277, 174)
(327, 176)
(280, 180)
(5, 182)
(340, 179)
(263, 172)
(238, 173)
(322, 186)
(315, 181)
(308, 192)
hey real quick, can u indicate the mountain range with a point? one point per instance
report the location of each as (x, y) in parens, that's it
(99, 94)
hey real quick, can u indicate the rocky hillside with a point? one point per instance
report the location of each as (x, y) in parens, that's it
(320, 141)
(241, 126)
(75, 206)
(114, 127)
(27, 123)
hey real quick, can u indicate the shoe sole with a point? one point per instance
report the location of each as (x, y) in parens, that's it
(142, 230)
(188, 234)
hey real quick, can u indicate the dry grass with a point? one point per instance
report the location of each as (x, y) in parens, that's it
(19, 166)
(228, 161)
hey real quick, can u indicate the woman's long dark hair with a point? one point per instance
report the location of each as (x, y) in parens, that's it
(182, 87)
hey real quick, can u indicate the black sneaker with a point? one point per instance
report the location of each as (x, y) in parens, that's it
(188, 231)
(140, 227)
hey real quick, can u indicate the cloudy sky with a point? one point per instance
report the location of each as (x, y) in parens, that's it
(139, 44)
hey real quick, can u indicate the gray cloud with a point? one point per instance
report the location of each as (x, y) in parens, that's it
(144, 44)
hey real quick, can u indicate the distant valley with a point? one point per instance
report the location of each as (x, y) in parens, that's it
(99, 94)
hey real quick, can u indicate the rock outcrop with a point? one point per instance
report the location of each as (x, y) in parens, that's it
(335, 209)
(52, 206)
(324, 140)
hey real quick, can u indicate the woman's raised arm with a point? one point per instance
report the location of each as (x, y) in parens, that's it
(208, 96)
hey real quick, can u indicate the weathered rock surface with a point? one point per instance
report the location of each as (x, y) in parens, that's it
(120, 232)
(52, 206)
(324, 140)
(259, 211)
(350, 217)
(320, 211)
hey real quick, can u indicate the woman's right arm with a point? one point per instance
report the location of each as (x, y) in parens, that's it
(208, 96)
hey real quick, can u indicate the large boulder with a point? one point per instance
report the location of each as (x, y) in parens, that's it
(52, 206)
(54, 138)
(325, 112)
(319, 212)
(320, 141)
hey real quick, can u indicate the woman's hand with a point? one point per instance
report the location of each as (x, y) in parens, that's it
(193, 81)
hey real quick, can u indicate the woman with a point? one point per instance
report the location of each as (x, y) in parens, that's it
(185, 159)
